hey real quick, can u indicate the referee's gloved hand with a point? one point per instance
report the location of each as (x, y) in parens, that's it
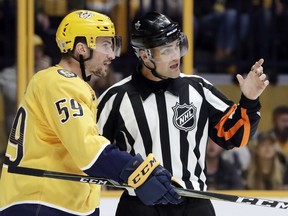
(151, 181)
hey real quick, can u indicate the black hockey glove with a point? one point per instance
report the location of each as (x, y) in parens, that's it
(151, 181)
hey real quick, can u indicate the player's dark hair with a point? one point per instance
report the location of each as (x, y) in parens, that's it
(76, 41)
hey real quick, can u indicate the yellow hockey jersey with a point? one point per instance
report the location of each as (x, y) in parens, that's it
(54, 129)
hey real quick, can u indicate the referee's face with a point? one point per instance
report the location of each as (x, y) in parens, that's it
(167, 59)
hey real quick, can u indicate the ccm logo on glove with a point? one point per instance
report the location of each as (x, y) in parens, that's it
(140, 175)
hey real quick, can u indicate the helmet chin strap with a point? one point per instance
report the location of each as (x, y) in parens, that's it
(153, 70)
(82, 67)
(81, 61)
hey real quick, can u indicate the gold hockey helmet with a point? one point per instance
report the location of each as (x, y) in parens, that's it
(88, 24)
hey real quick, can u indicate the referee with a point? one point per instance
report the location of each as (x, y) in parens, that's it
(158, 109)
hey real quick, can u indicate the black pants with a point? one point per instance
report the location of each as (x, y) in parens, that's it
(36, 210)
(131, 205)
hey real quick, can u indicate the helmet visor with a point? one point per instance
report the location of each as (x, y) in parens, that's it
(109, 45)
(169, 51)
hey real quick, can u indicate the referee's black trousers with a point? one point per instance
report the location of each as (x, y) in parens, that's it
(131, 205)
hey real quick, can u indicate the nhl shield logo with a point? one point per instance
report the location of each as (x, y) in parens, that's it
(184, 117)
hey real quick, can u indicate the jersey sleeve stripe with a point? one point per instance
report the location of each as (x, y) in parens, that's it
(247, 127)
(244, 121)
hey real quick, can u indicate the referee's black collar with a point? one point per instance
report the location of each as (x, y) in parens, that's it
(137, 80)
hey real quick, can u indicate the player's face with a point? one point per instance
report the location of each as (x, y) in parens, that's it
(102, 57)
(167, 59)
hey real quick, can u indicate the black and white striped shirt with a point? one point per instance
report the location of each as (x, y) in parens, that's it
(174, 122)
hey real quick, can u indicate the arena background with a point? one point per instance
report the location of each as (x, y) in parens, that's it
(274, 95)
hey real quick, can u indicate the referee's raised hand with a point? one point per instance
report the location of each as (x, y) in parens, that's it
(255, 83)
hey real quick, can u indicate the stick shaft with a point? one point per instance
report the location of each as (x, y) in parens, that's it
(180, 191)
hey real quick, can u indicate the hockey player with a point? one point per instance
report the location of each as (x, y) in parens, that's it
(55, 129)
(162, 111)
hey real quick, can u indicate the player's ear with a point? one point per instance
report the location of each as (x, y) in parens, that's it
(81, 49)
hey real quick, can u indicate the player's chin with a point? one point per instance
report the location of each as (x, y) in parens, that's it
(101, 73)
(104, 72)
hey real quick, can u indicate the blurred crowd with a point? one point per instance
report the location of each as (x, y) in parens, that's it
(261, 165)
(228, 36)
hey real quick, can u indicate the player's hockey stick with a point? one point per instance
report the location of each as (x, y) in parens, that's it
(180, 191)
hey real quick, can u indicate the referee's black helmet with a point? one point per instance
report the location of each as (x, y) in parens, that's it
(154, 30)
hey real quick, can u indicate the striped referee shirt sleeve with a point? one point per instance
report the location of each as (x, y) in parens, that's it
(231, 125)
